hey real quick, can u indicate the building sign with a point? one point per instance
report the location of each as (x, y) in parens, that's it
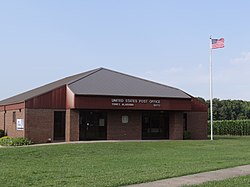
(135, 102)
(131, 103)
(19, 124)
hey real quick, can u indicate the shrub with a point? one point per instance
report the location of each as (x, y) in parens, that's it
(186, 135)
(7, 141)
(1, 133)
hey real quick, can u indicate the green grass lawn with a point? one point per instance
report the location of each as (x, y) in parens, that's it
(243, 181)
(116, 164)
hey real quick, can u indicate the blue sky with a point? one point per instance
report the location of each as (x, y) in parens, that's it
(164, 41)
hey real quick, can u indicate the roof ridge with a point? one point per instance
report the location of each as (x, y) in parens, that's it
(84, 76)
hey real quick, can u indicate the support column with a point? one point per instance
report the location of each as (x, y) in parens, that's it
(176, 125)
(72, 125)
(197, 125)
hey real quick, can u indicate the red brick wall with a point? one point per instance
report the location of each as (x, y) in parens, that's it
(2, 120)
(116, 130)
(10, 126)
(197, 125)
(175, 125)
(72, 125)
(39, 125)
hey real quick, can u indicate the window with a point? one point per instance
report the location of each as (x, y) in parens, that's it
(59, 125)
(14, 117)
(185, 122)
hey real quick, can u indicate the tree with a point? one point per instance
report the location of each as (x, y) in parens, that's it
(229, 109)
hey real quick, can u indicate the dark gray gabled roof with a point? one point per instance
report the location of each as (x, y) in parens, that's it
(111, 83)
(103, 82)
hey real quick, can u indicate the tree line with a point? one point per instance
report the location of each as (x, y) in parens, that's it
(229, 109)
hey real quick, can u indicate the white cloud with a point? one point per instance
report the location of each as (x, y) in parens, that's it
(243, 59)
(230, 78)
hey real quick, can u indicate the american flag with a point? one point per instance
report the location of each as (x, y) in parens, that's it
(217, 43)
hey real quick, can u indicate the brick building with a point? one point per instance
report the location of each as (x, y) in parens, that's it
(102, 104)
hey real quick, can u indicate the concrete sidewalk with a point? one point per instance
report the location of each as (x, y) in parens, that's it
(198, 178)
(82, 142)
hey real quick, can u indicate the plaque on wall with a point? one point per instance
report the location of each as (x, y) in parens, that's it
(101, 122)
(124, 119)
(19, 124)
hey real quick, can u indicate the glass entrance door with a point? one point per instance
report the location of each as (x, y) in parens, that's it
(93, 125)
(155, 125)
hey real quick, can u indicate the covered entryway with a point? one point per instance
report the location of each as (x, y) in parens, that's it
(155, 125)
(92, 125)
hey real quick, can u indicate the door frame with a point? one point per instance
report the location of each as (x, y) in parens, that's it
(163, 117)
(96, 127)
(62, 126)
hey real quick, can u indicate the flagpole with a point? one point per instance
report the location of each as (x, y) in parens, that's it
(211, 90)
